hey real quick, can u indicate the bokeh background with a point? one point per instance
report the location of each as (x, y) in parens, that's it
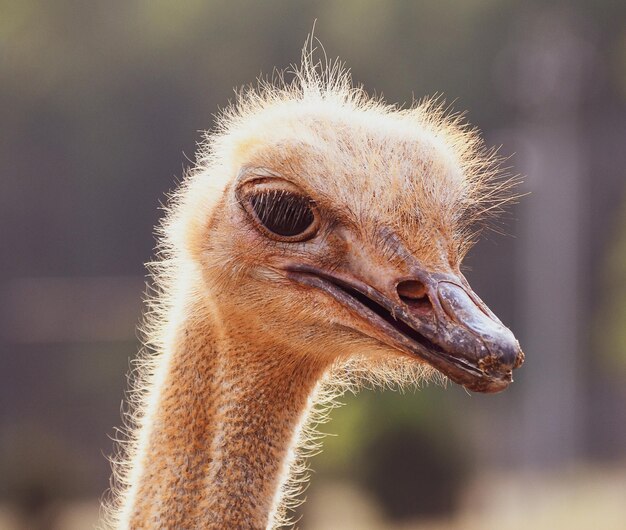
(101, 106)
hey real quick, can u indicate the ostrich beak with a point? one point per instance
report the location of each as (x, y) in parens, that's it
(434, 316)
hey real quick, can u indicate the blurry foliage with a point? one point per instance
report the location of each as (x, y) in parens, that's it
(408, 449)
(416, 473)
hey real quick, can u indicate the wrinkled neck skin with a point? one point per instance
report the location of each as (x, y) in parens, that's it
(219, 434)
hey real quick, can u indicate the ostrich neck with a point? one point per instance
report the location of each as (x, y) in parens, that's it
(217, 442)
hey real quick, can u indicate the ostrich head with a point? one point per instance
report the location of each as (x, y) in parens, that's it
(326, 225)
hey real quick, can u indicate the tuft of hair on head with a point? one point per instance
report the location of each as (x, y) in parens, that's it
(318, 83)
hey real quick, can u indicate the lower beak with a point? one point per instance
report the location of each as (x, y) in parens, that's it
(434, 316)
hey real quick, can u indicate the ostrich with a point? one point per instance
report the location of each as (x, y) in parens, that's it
(315, 246)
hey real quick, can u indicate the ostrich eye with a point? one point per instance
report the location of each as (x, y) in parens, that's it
(283, 213)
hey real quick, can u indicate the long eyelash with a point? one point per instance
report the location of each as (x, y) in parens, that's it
(282, 212)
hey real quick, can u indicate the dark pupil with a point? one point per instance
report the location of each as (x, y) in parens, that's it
(283, 213)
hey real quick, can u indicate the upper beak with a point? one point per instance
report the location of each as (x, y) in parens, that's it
(435, 316)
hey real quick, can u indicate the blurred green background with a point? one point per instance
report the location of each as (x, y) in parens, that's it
(101, 106)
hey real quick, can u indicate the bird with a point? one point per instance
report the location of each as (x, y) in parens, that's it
(314, 247)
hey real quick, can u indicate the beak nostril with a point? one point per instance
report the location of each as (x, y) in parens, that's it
(414, 294)
(411, 289)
